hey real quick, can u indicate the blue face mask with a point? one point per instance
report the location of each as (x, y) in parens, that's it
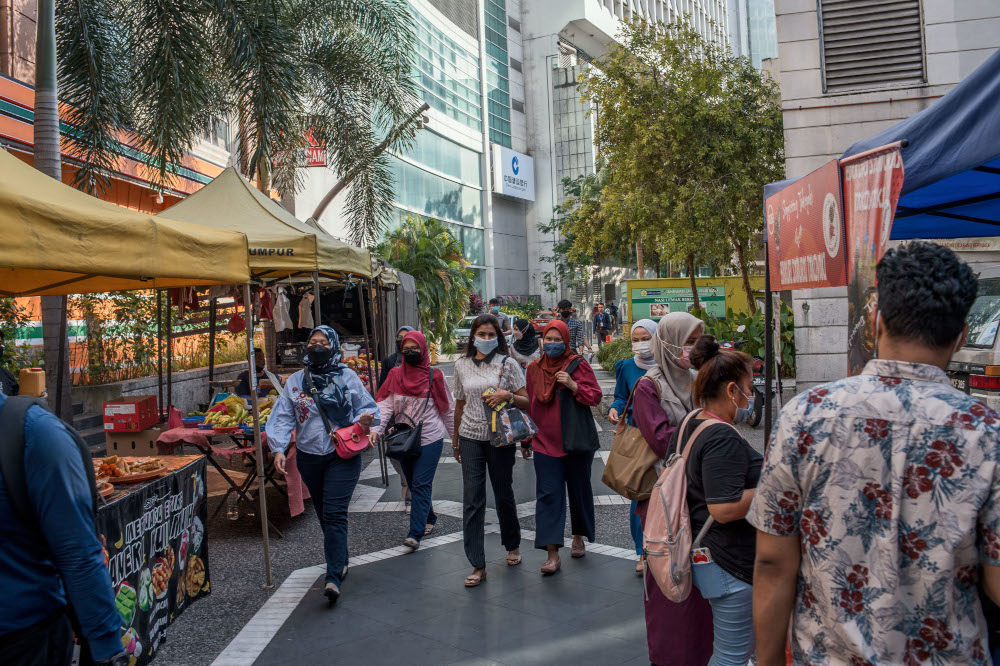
(554, 349)
(743, 414)
(486, 346)
(495, 308)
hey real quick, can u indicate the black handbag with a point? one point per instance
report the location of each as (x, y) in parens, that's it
(579, 431)
(402, 440)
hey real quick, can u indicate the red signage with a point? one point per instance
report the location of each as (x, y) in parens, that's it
(872, 182)
(805, 232)
(315, 153)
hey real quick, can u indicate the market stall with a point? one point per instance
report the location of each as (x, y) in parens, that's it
(950, 170)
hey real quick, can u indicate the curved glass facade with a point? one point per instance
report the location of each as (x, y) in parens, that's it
(438, 153)
(448, 74)
(434, 196)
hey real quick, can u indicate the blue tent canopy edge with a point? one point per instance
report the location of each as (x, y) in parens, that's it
(951, 187)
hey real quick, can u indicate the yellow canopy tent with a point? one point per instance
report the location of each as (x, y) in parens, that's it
(58, 240)
(280, 244)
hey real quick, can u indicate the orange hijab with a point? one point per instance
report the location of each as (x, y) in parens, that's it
(542, 372)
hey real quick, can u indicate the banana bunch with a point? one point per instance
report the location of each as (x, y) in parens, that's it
(264, 413)
(221, 419)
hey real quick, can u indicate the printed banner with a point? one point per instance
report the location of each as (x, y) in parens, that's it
(155, 548)
(805, 232)
(871, 190)
(655, 303)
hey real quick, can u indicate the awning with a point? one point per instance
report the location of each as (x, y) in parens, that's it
(280, 244)
(952, 162)
(58, 240)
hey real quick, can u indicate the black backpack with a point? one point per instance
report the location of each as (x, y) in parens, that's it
(12, 416)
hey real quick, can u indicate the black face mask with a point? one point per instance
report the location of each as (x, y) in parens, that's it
(413, 357)
(565, 314)
(319, 355)
(399, 345)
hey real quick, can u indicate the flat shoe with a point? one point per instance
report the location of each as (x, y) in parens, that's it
(473, 580)
(513, 560)
(551, 567)
(578, 551)
(331, 592)
(412, 544)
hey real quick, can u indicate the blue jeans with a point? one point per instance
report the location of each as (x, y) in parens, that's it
(331, 481)
(635, 527)
(732, 613)
(419, 474)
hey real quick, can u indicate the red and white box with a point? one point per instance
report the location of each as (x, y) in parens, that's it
(130, 414)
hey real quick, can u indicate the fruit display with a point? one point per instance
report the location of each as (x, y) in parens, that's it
(359, 363)
(238, 413)
(126, 602)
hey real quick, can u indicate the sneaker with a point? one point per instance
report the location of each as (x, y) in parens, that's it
(331, 592)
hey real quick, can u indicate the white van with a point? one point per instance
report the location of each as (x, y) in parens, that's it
(975, 368)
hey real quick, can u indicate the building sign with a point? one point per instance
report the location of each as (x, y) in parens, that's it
(805, 232)
(872, 182)
(655, 303)
(513, 173)
(315, 152)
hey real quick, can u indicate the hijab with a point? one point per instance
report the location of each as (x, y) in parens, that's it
(542, 372)
(406, 379)
(400, 343)
(332, 395)
(650, 326)
(528, 342)
(673, 381)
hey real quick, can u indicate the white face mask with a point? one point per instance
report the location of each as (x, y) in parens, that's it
(641, 349)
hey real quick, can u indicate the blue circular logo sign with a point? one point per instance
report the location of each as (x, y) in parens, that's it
(513, 165)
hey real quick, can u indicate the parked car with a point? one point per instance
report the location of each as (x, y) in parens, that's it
(542, 319)
(975, 368)
(462, 332)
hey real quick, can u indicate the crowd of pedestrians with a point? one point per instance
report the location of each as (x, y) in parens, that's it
(869, 534)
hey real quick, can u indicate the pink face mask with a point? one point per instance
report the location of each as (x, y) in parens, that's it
(684, 360)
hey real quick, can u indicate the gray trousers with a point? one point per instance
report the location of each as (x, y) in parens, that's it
(478, 458)
(398, 466)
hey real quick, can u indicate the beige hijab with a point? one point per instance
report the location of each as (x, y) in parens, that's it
(673, 381)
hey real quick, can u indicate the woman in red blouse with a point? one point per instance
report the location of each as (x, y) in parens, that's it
(562, 388)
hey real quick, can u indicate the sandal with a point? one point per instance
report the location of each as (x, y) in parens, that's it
(411, 544)
(513, 559)
(550, 567)
(428, 529)
(639, 565)
(473, 580)
(578, 551)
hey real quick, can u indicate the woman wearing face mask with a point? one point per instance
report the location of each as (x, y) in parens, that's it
(330, 478)
(627, 373)
(722, 472)
(391, 361)
(405, 392)
(662, 400)
(486, 366)
(556, 381)
(525, 348)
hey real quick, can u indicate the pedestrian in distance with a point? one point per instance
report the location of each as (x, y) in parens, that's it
(406, 392)
(501, 317)
(394, 360)
(324, 384)
(486, 377)
(562, 389)
(577, 331)
(52, 559)
(243, 387)
(526, 347)
(722, 469)
(602, 325)
(627, 374)
(878, 508)
(663, 397)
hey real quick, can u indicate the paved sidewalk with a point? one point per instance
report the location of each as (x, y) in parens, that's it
(414, 609)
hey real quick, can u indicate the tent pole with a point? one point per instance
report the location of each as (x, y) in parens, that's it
(211, 345)
(258, 447)
(368, 343)
(159, 346)
(768, 346)
(170, 357)
(63, 358)
(316, 304)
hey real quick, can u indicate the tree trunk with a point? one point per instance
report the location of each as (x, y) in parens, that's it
(48, 161)
(264, 176)
(639, 260)
(694, 285)
(742, 258)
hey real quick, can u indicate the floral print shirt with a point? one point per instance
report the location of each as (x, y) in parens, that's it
(891, 482)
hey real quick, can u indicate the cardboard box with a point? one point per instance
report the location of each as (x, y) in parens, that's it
(130, 414)
(133, 443)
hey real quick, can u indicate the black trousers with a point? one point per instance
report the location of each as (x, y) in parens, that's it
(45, 643)
(478, 458)
(555, 478)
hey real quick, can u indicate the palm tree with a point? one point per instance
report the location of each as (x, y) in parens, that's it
(427, 250)
(159, 71)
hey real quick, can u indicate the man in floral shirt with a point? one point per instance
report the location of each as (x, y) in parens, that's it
(879, 503)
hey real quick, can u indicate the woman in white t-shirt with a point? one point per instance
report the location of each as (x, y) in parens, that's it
(486, 365)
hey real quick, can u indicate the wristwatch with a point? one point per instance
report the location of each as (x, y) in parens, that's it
(120, 659)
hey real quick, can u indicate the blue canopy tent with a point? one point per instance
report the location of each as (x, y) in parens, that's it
(951, 161)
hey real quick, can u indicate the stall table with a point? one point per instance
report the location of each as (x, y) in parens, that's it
(156, 547)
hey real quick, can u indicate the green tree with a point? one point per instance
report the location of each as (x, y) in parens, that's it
(427, 250)
(159, 72)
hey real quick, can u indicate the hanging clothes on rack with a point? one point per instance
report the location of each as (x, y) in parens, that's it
(266, 304)
(282, 310)
(306, 311)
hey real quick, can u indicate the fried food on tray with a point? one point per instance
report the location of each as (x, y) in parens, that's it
(115, 466)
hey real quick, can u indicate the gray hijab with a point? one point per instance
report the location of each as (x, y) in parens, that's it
(673, 381)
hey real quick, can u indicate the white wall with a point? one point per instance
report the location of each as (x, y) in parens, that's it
(959, 35)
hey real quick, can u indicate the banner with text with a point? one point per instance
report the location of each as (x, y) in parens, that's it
(805, 231)
(872, 182)
(656, 303)
(156, 551)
